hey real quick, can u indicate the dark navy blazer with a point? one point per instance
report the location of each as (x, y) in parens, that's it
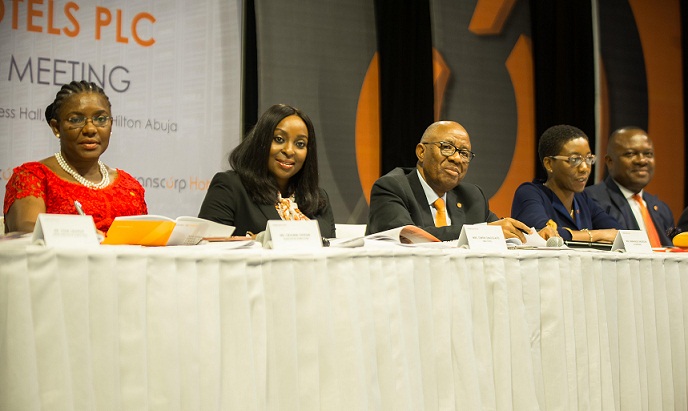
(534, 205)
(609, 197)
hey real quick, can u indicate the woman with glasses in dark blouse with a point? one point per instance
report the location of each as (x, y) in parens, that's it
(559, 201)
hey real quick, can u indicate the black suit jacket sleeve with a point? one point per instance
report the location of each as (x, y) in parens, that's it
(682, 224)
(398, 199)
(228, 202)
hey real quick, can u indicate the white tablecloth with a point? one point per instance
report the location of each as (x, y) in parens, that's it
(188, 328)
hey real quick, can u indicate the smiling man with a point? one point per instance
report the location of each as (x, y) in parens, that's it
(431, 195)
(630, 162)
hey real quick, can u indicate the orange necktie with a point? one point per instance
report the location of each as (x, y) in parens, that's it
(441, 217)
(649, 225)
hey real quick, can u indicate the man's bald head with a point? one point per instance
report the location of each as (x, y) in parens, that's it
(442, 128)
(443, 172)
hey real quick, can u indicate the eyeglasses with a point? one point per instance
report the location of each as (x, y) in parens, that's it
(75, 122)
(575, 161)
(448, 150)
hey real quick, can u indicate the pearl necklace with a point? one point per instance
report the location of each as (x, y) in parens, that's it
(78, 177)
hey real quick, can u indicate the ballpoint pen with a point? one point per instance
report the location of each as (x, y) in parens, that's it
(79, 210)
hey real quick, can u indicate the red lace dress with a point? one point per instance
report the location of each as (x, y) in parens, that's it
(125, 196)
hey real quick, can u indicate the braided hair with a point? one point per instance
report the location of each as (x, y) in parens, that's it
(68, 90)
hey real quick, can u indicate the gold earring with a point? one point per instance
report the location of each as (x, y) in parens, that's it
(57, 135)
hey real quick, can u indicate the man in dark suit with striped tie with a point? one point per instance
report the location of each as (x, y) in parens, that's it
(630, 162)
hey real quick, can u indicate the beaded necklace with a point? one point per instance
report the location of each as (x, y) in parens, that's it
(78, 177)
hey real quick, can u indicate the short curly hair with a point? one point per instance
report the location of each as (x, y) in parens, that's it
(555, 137)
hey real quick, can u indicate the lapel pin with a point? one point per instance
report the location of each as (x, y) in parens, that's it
(459, 205)
(655, 207)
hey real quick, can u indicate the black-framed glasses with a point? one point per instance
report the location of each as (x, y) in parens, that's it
(80, 121)
(575, 161)
(448, 149)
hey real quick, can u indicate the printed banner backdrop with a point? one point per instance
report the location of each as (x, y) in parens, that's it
(641, 82)
(485, 52)
(172, 71)
(324, 62)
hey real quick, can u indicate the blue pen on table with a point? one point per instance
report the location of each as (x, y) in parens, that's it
(79, 210)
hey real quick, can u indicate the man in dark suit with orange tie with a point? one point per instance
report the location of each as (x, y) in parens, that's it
(630, 162)
(431, 195)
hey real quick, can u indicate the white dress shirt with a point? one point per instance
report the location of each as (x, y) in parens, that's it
(633, 204)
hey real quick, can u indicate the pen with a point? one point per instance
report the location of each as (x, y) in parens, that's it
(552, 224)
(79, 210)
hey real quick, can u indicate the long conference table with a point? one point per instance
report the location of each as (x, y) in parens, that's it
(374, 328)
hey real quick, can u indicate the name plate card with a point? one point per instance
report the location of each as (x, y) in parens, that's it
(293, 235)
(482, 237)
(633, 241)
(65, 230)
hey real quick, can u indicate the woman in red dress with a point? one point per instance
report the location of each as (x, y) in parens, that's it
(81, 119)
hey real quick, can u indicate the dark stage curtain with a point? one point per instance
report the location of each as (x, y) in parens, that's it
(684, 46)
(404, 43)
(564, 66)
(250, 68)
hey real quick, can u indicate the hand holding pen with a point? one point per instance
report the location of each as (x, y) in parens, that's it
(549, 230)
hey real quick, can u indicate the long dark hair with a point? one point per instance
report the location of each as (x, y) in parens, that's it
(68, 90)
(250, 160)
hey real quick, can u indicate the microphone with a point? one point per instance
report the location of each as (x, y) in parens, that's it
(555, 242)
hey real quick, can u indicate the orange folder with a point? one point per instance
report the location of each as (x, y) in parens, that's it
(140, 232)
